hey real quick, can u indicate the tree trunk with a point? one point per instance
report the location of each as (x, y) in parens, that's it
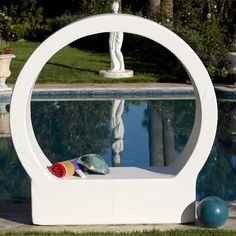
(153, 7)
(168, 8)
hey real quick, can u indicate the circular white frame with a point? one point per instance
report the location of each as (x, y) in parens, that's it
(202, 137)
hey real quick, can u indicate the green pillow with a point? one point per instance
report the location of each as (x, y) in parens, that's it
(94, 163)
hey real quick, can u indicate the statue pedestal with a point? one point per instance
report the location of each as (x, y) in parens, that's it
(116, 74)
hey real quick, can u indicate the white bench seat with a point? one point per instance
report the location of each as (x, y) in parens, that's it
(123, 173)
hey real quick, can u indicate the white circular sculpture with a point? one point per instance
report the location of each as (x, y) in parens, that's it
(126, 195)
(117, 60)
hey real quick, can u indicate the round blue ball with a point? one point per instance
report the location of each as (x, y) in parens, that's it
(212, 212)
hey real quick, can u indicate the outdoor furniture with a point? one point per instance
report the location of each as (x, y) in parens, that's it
(127, 195)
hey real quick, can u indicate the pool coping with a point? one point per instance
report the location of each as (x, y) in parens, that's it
(118, 90)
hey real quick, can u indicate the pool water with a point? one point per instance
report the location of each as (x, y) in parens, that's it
(137, 133)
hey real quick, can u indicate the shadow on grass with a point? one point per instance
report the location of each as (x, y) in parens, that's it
(141, 67)
(71, 67)
(143, 72)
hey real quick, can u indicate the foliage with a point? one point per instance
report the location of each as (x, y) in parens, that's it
(60, 21)
(26, 23)
(5, 25)
(6, 32)
(95, 7)
(30, 24)
(206, 31)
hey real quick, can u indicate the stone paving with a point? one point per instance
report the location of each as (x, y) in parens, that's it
(114, 86)
(17, 217)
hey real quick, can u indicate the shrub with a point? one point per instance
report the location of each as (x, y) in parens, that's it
(26, 24)
(63, 20)
(207, 32)
(6, 26)
(93, 7)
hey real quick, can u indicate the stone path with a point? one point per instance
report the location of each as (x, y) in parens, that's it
(17, 217)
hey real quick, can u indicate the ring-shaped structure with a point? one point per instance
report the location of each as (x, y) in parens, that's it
(203, 133)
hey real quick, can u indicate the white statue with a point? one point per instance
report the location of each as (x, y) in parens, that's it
(115, 44)
(117, 69)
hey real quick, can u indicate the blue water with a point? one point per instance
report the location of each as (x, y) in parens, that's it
(155, 133)
(135, 138)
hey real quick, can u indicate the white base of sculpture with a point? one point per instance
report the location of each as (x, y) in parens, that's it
(127, 195)
(116, 74)
(5, 88)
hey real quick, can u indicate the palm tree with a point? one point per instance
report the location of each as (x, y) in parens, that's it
(153, 7)
(168, 6)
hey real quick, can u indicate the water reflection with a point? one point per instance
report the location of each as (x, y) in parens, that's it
(227, 132)
(14, 183)
(66, 130)
(169, 124)
(126, 133)
(161, 134)
(118, 131)
(217, 177)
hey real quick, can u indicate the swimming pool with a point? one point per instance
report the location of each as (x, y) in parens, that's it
(125, 131)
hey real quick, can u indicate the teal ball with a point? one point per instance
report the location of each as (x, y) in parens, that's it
(212, 212)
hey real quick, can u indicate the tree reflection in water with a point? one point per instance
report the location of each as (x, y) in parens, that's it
(66, 130)
(169, 123)
(14, 182)
(218, 176)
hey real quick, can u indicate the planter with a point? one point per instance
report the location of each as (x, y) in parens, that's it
(5, 61)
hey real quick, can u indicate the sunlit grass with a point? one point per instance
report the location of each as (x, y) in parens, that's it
(71, 65)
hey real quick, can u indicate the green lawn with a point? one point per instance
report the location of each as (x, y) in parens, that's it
(197, 232)
(71, 65)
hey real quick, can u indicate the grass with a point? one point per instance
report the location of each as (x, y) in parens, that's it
(193, 232)
(71, 65)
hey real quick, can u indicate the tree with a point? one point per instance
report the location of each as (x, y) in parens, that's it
(168, 6)
(153, 7)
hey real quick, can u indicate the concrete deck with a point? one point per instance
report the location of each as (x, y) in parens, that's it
(17, 217)
(123, 86)
(114, 86)
(163, 88)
